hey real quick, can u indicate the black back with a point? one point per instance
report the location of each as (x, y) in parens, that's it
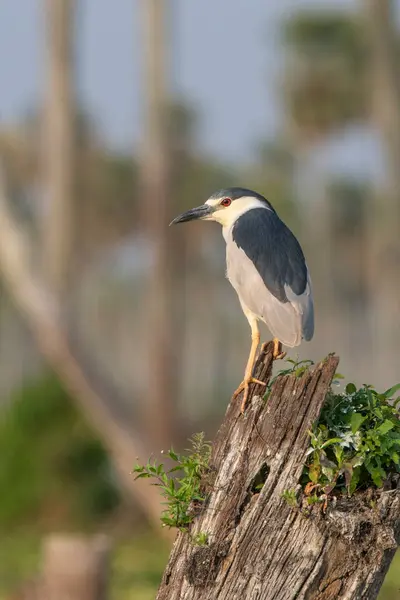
(273, 249)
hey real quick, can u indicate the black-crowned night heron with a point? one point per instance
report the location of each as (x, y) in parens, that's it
(266, 266)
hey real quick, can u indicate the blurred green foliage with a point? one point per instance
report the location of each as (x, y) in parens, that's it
(138, 566)
(327, 87)
(53, 466)
(330, 31)
(55, 474)
(391, 587)
(19, 561)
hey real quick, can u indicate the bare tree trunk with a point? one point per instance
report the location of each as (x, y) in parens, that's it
(384, 214)
(259, 547)
(59, 124)
(75, 568)
(385, 92)
(156, 180)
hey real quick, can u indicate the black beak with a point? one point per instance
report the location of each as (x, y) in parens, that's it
(193, 213)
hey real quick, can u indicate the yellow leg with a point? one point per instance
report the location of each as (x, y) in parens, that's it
(248, 375)
(278, 350)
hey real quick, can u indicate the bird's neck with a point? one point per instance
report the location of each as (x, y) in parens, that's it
(230, 219)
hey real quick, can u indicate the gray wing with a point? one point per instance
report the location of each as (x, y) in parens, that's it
(267, 268)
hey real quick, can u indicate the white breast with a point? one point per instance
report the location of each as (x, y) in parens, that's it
(285, 320)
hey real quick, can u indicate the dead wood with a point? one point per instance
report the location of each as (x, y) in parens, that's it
(258, 546)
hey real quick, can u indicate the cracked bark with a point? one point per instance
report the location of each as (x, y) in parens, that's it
(258, 546)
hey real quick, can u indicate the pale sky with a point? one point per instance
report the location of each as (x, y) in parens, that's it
(226, 62)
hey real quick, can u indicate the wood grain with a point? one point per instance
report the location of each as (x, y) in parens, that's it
(258, 546)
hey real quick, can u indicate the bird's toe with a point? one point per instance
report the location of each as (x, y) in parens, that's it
(277, 353)
(245, 387)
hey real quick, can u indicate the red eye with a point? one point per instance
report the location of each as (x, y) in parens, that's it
(226, 202)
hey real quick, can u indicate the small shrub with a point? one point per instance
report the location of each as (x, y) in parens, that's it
(180, 485)
(356, 442)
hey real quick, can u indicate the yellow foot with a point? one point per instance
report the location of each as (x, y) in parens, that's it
(278, 354)
(245, 386)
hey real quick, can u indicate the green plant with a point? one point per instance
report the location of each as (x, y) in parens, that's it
(180, 485)
(356, 442)
(313, 499)
(290, 497)
(297, 368)
(200, 539)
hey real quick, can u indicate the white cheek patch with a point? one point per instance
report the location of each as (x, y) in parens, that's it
(226, 216)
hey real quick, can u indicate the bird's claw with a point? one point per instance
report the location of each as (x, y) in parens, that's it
(277, 353)
(245, 385)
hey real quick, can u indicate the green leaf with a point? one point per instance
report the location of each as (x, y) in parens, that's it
(174, 469)
(391, 391)
(355, 478)
(336, 440)
(357, 461)
(377, 473)
(377, 479)
(173, 455)
(329, 473)
(351, 388)
(356, 421)
(385, 427)
(142, 475)
(338, 450)
(370, 396)
(300, 371)
(313, 472)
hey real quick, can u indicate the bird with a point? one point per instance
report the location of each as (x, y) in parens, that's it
(266, 266)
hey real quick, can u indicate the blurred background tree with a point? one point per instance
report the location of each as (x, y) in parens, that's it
(118, 336)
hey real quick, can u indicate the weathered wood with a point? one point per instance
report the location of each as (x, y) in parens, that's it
(258, 546)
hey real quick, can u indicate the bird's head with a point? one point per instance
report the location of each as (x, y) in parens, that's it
(225, 206)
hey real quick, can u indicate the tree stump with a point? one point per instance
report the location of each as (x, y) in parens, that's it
(258, 546)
